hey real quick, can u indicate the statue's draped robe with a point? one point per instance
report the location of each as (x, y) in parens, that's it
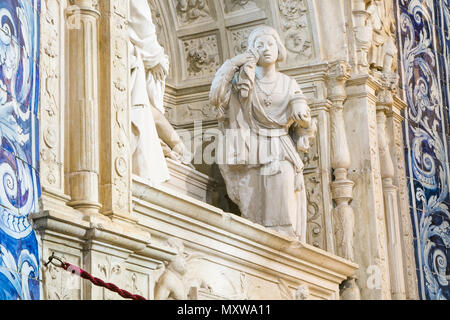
(145, 53)
(264, 174)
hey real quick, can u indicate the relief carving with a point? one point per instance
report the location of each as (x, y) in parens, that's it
(111, 271)
(60, 284)
(51, 174)
(236, 5)
(239, 39)
(202, 56)
(383, 50)
(172, 285)
(190, 11)
(294, 15)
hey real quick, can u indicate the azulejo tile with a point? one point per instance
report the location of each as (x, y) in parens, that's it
(28, 186)
(19, 187)
(426, 139)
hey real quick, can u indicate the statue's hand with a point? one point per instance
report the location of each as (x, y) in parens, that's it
(302, 116)
(243, 58)
(159, 72)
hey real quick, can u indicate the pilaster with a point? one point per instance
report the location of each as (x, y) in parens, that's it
(52, 104)
(390, 191)
(371, 251)
(115, 132)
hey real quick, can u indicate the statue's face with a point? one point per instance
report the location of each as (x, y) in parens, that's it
(267, 49)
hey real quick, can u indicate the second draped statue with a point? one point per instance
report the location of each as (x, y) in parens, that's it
(258, 159)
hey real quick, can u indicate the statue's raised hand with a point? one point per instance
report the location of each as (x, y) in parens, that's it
(243, 58)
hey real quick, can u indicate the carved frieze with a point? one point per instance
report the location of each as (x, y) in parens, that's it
(188, 113)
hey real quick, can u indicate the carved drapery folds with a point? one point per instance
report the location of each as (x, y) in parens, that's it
(341, 187)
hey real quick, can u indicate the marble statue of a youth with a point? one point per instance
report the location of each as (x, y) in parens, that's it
(263, 173)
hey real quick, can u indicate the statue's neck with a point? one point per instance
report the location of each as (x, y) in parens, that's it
(266, 73)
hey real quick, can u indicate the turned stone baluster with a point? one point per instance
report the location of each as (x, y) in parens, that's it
(83, 106)
(341, 187)
(390, 191)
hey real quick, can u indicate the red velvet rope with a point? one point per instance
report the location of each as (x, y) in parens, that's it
(98, 282)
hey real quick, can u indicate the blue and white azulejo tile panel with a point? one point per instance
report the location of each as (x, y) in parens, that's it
(424, 39)
(19, 161)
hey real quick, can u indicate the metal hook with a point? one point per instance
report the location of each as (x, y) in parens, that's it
(53, 257)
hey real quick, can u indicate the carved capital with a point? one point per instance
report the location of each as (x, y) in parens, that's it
(338, 74)
(385, 95)
(83, 8)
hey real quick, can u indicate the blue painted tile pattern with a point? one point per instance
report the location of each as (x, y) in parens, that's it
(19, 160)
(425, 59)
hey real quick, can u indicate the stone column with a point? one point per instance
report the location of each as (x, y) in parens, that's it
(341, 187)
(390, 191)
(83, 106)
(115, 132)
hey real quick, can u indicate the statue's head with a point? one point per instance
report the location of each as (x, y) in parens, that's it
(267, 42)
